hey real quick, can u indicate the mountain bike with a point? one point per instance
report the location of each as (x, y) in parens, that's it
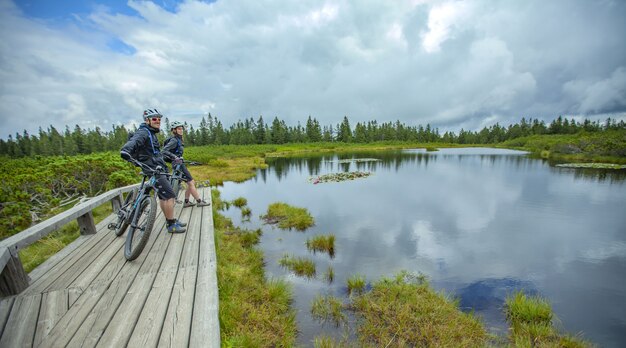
(138, 212)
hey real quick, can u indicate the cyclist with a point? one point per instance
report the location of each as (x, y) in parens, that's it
(143, 146)
(173, 149)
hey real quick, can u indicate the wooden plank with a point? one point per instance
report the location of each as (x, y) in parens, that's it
(46, 267)
(177, 324)
(53, 306)
(150, 323)
(96, 323)
(34, 233)
(111, 278)
(205, 327)
(20, 328)
(56, 271)
(80, 264)
(6, 304)
(158, 279)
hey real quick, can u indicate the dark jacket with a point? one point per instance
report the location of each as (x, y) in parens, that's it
(173, 148)
(144, 147)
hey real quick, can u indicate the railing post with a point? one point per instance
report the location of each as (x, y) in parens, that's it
(116, 202)
(13, 278)
(86, 223)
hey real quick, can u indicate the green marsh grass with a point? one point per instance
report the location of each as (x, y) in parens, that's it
(253, 311)
(299, 265)
(240, 202)
(322, 243)
(405, 312)
(329, 275)
(288, 217)
(328, 309)
(356, 284)
(246, 213)
(531, 320)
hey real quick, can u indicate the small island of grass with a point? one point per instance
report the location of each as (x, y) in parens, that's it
(288, 217)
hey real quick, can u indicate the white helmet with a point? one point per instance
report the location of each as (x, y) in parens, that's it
(149, 113)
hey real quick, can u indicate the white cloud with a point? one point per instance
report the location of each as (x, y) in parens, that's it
(448, 63)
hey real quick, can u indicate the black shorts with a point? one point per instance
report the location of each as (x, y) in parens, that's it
(164, 189)
(186, 176)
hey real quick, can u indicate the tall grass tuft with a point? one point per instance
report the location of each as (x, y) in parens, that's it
(246, 213)
(240, 202)
(328, 309)
(329, 275)
(298, 265)
(405, 312)
(356, 284)
(322, 244)
(530, 318)
(288, 217)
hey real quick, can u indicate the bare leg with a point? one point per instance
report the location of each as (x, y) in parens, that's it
(191, 190)
(168, 208)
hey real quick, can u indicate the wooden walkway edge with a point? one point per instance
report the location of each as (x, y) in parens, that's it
(88, 295)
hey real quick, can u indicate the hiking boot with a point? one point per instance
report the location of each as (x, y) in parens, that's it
(175, 228)
(188, 204)
(202, 203)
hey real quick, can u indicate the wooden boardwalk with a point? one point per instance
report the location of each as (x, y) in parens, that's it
(88, 295)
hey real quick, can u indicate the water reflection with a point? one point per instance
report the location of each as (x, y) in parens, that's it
(477, 222)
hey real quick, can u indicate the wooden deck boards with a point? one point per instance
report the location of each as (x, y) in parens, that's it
(91, 296)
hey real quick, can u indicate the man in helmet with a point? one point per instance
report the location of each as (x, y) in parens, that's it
(173, 149)
(144, 147)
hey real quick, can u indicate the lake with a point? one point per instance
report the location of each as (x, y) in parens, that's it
(479, 223)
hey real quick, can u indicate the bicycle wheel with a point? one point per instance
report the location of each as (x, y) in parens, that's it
(176, 186)
(140, 229)
(123, 218)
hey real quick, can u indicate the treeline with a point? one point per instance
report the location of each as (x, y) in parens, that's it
(211, 131)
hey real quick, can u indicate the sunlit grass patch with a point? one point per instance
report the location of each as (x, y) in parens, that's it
(356, 284)
(322, 243)
(405, 311)
(288, 217)
(298, 265)
(530, 318)
(240, 202)
(324, 341)
(328, 309)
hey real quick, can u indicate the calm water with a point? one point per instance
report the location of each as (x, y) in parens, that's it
(480, 223)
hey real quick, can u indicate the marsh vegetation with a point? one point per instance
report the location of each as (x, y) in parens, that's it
(288, 217)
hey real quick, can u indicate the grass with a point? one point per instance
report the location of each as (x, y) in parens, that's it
(329, 275)
(322, 244)
(288, 217)
(530, 318)
(253, 311)
(356, 284)
(298, 265)
(240, 202)
(246, 213)
(38, 252)
(328, 309)
(405, 311)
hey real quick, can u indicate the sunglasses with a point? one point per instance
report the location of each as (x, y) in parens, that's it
(154, 119)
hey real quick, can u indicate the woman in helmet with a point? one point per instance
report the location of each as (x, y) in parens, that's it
(173, 149)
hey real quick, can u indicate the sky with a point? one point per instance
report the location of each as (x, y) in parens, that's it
(452, 64)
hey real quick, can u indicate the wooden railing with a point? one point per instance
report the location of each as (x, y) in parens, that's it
(13, 278)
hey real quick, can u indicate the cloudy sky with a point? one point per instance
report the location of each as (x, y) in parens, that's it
(452, 64)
